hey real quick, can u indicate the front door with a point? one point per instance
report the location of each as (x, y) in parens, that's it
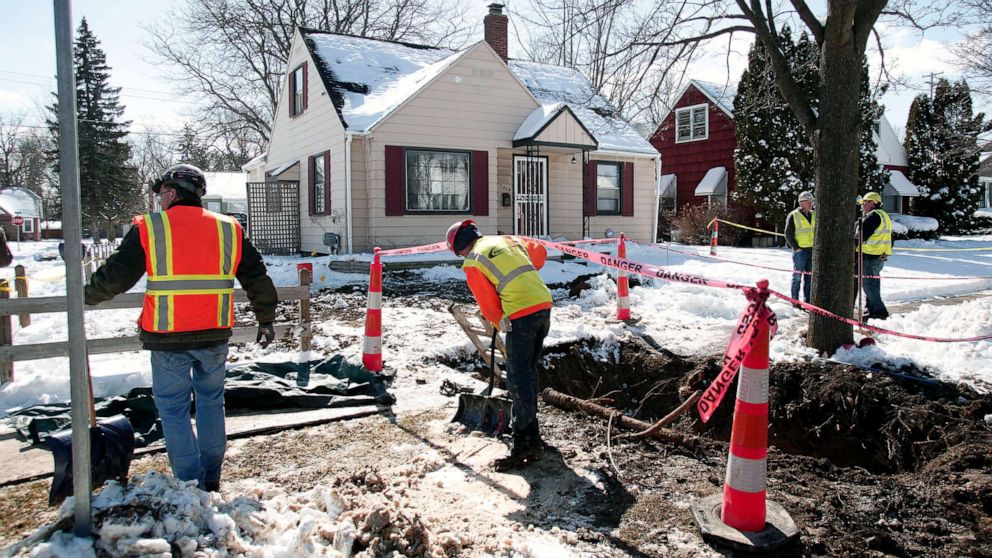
(530, 196)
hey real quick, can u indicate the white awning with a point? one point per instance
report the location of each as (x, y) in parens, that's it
(714, 183)
(899, 185)
(282, 168)
(668, 186)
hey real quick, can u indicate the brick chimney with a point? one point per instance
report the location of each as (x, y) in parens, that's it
(495, 24)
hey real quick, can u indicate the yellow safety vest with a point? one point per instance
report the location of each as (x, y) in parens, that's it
(880, 241)
(504, 261)
(804, 228)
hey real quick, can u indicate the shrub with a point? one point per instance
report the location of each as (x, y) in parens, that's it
(690, 224)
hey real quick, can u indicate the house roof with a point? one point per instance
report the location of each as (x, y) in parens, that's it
(258, 161)
(367, 79)
(889, 151)
(714, 183)
(985, 167)
(227, 185)
(721, 95)
(20, 200)
(901, 185)
(533, 127)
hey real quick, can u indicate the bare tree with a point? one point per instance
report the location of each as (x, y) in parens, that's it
(231, 54)
(23, 156)
(152, 152)
(842, 33)
(975, 53)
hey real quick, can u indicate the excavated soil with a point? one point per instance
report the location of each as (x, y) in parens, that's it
(866, 463)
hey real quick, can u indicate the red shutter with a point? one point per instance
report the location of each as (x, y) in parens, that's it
(310, 180)
(395, 180)
(291, 93)
(305, 86)
(589, 190)
(480, 183)
(327, 181)
(627, 190)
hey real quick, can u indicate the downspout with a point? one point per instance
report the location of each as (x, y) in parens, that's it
(657, 197)
(347, 187)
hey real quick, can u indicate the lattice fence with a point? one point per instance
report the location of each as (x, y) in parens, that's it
(274, 217)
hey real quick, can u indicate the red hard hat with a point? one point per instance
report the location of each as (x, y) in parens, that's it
(460, 234)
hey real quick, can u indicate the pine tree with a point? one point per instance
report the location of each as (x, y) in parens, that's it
(108, 187)
(942, 151)
(190, 149)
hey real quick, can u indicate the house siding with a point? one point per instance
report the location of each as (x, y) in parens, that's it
(689, 161)
(565, 129)
(297, 138)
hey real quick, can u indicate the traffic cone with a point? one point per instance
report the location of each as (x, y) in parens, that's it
(742, 517)
(623, 283)
(372, 351)
(714, 237)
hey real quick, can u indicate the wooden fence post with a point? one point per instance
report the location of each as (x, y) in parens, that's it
(306, 336)
(6, 336)
(21, 285)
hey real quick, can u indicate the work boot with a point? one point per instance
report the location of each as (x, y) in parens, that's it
(212, 486)
(526, 454)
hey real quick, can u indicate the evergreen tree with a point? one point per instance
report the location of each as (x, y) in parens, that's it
(774, 157)
(108, 187)
(942, 150)
(190, 149)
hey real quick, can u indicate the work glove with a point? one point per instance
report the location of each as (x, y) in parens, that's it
(505, 326)
(266, 334)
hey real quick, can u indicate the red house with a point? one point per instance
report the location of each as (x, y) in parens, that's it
(696, 141)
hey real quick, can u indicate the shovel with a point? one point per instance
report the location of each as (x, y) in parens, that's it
(111, 450)
(869, 340)
(483, 412)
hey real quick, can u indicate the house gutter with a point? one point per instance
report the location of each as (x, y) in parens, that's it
(657, 197)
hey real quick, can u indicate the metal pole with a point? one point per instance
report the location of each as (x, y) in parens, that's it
(73, 233)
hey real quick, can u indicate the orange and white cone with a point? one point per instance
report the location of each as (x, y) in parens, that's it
(372, 352)
(623, 283)
(744, 487)
(714, 237)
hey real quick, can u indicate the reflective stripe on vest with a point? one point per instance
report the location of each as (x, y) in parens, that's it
(880, 241)
(804, 228)
(506, 263)
(207, 298)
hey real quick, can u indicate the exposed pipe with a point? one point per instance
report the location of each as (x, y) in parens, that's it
(657, 197)
(347, 187)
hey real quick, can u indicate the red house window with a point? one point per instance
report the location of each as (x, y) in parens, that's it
(692, 123)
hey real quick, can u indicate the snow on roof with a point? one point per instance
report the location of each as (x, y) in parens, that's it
(985, 167)
(889, 151)
(255, 163)
(20, 200)
(556, 84)
(713, 184)
(721, 95)
(901, 185)
(282, 168)
(537, 119)
(369, 78)
(984, 212)
(227, 185)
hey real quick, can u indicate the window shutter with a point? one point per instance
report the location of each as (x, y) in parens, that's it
(589, 190)
(327, 180)
(627, 190)
(395, 180)
(291, 93)
(310, 180)
(305, 87)
(480, 183)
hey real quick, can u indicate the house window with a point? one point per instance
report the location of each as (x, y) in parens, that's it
(296, 86)
(28, 225)
(318, 165)
(607, 188)
(986, 183)
(692, 123)
(213, 206)
(438, 180)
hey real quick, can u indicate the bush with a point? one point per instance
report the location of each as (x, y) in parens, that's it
(690, 224)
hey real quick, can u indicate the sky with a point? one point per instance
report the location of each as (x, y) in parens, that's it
(27, 60)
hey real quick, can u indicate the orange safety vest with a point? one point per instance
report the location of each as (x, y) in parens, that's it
(191, 256)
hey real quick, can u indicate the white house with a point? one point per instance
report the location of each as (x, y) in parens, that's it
(17, 201)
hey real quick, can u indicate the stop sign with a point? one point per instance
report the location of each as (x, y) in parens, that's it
(17, 220)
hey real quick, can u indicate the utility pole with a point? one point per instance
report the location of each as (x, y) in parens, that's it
(79, 389)
(932, 75)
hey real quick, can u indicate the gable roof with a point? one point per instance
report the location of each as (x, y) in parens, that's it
(985, 167)
(20, 200)
(720, 95)
(367, 79)
(540, 118)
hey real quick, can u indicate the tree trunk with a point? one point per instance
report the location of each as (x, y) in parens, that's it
(836, 147)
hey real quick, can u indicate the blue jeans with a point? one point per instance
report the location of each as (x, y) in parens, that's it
(176, 375)
(523, 346)
(873, 287)
(802, 261)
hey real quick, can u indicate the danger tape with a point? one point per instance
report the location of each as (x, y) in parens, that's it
(424, 249)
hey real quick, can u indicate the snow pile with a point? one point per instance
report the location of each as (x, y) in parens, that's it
(984, 213)
(912, 223)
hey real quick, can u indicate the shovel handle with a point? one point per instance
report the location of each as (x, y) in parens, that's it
(492, 359)
(89, 382)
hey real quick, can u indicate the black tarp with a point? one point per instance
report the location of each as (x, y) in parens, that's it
(258, 386)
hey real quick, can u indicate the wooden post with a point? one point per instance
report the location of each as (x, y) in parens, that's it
(306, 336)
(6, 336)
(21, 284)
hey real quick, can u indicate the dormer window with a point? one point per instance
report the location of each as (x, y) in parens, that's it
(692, 123)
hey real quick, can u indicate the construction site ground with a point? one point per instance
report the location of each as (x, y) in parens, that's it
(866, 463)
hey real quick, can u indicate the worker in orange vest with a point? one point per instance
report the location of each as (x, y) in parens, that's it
(502, 273)
(192, 257)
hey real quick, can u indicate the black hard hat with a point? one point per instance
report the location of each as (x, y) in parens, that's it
(182, 176)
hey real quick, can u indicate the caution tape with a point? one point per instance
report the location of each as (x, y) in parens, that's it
(738, 262)
(740, 226)
(424, 249)
(753, 318)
